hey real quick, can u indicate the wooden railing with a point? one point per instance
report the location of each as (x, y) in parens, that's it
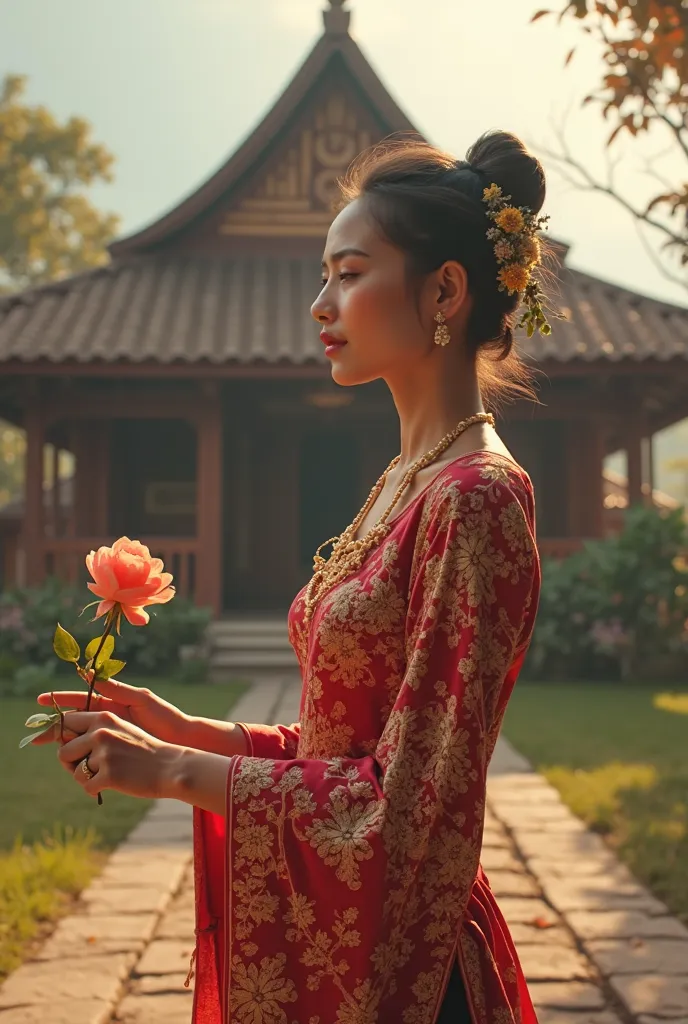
(559, 547)
(64, 558)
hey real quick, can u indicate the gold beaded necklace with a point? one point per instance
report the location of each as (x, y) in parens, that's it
(348, 553)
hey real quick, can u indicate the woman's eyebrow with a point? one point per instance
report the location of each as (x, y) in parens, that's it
(342, 253)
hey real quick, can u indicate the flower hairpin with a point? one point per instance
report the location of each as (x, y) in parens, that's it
(517, 251)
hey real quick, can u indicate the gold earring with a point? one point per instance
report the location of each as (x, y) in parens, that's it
(442, 335)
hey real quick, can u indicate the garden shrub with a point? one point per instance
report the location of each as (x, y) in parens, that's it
(28, 616)
(619, 607)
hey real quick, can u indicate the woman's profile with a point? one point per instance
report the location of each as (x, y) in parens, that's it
(337, 859)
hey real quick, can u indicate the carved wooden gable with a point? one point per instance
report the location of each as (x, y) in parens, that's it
(292, 193)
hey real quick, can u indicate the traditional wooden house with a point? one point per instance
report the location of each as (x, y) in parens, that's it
(189, 382)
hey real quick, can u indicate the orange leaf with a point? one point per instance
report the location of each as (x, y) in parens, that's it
(541, 922)
(538, 15)
(569, 55)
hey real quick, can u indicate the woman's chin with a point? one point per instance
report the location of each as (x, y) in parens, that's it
(342, 374)
(347, 374)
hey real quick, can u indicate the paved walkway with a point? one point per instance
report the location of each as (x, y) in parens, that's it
(595, 946)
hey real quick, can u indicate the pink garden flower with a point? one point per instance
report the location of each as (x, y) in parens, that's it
(127, 575)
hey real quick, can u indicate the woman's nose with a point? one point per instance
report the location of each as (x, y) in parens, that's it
(321, 309)
(321, 312)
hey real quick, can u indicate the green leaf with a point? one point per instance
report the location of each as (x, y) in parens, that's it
(109, 669)
(108, 648)
(65, 646)
(42, 718)
(32, 736)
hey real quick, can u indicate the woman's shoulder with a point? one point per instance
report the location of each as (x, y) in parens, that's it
(478, 473)
(479, 491)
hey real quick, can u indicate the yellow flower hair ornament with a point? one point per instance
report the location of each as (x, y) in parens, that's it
(517, 251)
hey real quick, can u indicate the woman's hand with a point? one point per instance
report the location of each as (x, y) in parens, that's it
(136, 705)
(118, 755)
(141, 707)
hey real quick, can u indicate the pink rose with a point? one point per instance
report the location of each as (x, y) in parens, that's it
(127, 575)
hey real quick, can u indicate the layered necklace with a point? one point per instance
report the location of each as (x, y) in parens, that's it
(349, 553)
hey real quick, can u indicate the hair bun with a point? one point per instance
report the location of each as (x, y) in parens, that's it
(504, 160)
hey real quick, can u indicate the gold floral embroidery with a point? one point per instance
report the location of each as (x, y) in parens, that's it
(343, 838)
(255, 775)
(256, 841)
(514, 526)
(257, 992)
(470, 955)
(406, 661)
(254, 905)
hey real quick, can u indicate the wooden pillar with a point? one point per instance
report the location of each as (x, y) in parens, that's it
(648, 470)
(71, 513)
(101, 478)
(634, 456)
(585, 483)
(83, 478)
(32, 540)
(592, 480)
(209, 561)
(55, 508)
(242, 486)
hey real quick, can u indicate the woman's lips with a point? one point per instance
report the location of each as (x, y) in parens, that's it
(331, 343)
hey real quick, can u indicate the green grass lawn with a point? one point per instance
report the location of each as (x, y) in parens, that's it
(619, 757)
(36, 792)
(53, 838)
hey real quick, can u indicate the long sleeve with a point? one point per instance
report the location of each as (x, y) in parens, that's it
(348, 878)
(276, 741)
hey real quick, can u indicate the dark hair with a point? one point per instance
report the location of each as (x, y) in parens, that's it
(431, 206)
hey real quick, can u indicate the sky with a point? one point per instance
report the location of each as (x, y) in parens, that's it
(172, 86)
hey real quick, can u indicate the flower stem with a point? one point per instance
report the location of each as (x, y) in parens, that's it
(109, 623)
(61, 714)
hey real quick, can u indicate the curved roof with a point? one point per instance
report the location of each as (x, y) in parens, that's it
(161, 301)
(335, 47)
(252, 309)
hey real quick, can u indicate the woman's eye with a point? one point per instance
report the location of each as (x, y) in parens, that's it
(342, 277)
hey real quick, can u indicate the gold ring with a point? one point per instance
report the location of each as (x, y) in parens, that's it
(86, 769)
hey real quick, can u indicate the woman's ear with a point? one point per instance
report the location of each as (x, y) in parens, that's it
(452, 288)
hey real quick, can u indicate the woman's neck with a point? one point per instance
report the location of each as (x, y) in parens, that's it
(429, 408)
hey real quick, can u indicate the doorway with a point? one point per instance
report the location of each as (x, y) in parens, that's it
(329, 487)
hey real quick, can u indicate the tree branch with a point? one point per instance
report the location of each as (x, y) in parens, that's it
(664, 271)
(676, 129)
(591, 184)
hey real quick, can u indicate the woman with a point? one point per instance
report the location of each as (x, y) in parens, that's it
(337, 859)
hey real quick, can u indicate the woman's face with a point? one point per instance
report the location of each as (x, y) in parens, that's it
(367, 302)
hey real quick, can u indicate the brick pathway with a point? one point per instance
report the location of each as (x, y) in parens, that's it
(595, 946)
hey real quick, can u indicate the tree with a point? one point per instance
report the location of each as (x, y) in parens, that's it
(48, 226)
(643, 91)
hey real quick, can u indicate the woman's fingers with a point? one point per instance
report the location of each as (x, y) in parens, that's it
(88, 779)
(75, 699)
(52, 735)
(110, 691)
(75, 750)
(81, 722)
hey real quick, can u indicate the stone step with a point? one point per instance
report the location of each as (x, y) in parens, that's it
(253, 659)
(250, 643)
(249, 627)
